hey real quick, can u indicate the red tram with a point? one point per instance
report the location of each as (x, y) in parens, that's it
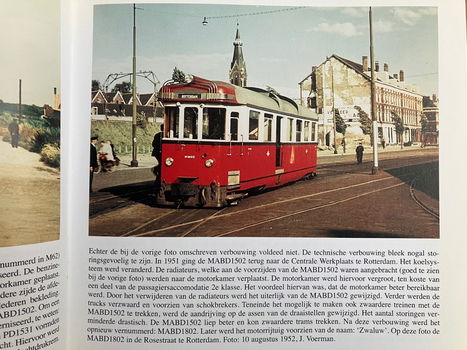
(222, 142)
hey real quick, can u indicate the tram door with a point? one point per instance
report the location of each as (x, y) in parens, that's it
(278, 142)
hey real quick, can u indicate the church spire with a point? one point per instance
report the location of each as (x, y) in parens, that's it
(237, 74)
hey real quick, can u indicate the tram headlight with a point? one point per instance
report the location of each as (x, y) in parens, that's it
(209, 163)
(169, 161)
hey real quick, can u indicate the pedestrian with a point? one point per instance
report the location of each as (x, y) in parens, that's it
(13, 128)
(106, 156)
(157, 153)
(117, 160)
(359, 152)
(383, 143)
(93, 164)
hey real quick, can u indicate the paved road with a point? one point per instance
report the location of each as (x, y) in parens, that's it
(29, 198)
(343, 201)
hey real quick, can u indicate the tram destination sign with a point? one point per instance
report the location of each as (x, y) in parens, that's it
(189, 96)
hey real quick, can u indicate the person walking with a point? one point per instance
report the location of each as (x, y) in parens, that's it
(93, 164)
(359, 153)
(13, 128)
(157, 153)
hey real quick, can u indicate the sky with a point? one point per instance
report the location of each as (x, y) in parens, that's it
(280, 44)
(30, 50)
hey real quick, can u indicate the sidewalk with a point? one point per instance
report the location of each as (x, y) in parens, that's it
(29, 199)
(369, 150)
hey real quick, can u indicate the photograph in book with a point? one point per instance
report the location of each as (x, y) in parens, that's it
(265, 121)
(29, 122)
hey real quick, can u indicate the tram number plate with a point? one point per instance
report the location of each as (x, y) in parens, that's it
(234, 177)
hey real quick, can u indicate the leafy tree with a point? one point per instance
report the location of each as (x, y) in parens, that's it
(95, 85)
(424, 126)
(399, 126)
(340, 125)
(178, 76)
(365, 121)
(123, 87)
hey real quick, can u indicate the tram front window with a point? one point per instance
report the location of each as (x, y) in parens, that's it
(172, 115)
(214, 123)
(190, 122)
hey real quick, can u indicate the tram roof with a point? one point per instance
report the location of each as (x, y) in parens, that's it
(257, 97)
(218, 91)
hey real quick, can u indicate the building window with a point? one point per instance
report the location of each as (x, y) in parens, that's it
(253, 125)
(214, 123)
(190, 122)
(267, 127)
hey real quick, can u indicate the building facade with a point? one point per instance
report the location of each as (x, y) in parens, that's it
(344, 85)
(430, 129)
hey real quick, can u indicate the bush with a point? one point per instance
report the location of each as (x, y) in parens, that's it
(43, 137)
(50, 155)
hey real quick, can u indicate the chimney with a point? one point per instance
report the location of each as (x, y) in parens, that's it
(365, 63)
(386, 67)
(396, 76)
(401, 75)
(376, 66)
(435, 98)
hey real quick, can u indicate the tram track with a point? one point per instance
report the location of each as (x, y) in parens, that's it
(342, 187)
(219, 214)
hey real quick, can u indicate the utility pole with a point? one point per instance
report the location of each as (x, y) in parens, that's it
(19, 105)
(333, 107)
(374, 169)
(134, 161)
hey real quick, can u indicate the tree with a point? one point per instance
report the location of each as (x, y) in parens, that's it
(424, 127)
(365, 122)
(178, 76)
(123, 87)
(340, 126)
(95, 85)
(399, 126)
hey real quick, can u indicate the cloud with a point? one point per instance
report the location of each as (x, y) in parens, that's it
(382, 26)
(409, 16)
(346, 29)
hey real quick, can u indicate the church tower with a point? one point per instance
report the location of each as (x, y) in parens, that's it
(237, 74)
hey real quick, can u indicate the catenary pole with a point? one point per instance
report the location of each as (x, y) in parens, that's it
(374, 169)
(134, 161)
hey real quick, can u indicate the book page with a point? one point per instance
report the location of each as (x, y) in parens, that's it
(32, 240)
(279, 174)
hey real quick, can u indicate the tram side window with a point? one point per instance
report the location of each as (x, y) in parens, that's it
(306, 131)
(253, 126)
(214, 123)
(313, 131)
(289, 129)
(190, 120)
(234, 126)
(267, 127)
(172, 114)
(299, 131)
